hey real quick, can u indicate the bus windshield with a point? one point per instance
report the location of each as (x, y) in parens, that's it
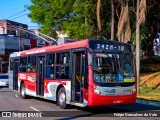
(113, 68)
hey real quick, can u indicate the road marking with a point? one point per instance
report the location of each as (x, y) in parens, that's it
(16, 95)
(34, 109)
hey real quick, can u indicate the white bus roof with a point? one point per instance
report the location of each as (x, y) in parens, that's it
(14, 54)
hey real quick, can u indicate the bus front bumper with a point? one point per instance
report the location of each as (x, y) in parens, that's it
(98, 100)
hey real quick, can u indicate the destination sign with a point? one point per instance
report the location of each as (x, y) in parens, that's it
(108, 45)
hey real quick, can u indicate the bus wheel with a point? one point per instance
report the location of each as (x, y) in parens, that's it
(62, 98)
(23, 91)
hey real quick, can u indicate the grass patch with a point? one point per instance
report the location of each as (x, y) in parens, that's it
(150, 79)
(148, 93)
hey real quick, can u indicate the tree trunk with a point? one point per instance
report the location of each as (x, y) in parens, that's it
(98, 15)
(112, 24)
(137, 49)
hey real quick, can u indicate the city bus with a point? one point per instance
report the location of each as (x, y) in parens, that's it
(81, 73)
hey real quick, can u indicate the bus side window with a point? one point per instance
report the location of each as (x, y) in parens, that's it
(31, 64)
(62, 65)
(50, 65)
(33, 69)
(49, 72)
(66, 72)
(11, 64)
(59, 72)
(23, 64)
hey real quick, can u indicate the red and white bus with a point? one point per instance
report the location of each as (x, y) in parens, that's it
(82, 73)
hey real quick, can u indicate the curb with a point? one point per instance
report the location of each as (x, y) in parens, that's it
(157, 104)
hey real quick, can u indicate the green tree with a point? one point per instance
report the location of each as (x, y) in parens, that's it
(82, 24)
(77, 18)
(50, 13)
(71, 16)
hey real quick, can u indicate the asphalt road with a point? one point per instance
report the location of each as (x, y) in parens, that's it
(11, 104)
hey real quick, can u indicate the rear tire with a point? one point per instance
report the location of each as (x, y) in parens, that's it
(61, 99)
(23, 91)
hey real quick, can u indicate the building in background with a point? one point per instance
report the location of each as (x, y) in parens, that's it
(15, 37)
(36, 41)
(11, 28)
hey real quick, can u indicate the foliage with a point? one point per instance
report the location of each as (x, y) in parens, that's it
(78, 19)
(151, 60)
(145, 89)
(64, 15)
(145, 69)
(149, 93)
(146, 64)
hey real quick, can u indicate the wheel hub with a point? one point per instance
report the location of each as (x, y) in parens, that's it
(22, 92)
(62, 98)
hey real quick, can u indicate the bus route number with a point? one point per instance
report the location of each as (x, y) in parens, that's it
(109, 47)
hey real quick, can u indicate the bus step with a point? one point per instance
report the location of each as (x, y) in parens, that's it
(41, 96)
(77, 104)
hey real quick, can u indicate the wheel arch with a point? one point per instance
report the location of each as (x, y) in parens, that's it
(20, 82)
(24, 96)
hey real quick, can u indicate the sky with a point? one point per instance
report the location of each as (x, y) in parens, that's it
(15, 10)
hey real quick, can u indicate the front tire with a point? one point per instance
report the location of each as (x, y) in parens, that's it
(61, 99)
(23, 91)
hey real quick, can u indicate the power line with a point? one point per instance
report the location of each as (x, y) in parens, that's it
(16, 14)
(34, 26)
(38, 34)
(22, 16)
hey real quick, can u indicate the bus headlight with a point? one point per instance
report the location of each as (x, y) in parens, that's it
(97, 91)
(134, 89)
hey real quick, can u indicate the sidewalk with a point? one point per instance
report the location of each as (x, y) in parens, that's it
(157, 104)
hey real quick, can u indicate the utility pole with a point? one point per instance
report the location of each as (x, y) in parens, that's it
(112, 23)
(137, 50)
(19, 37)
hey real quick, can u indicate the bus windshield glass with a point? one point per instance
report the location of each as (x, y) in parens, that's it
(113, 68)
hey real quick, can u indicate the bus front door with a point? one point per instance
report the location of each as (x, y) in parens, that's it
(78, 76)
(40, 75)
